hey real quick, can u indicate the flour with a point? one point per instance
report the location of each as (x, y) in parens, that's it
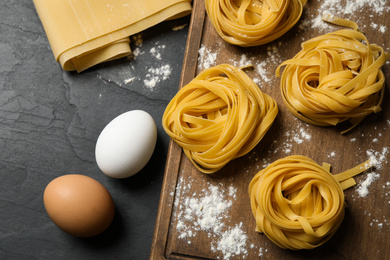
(244, 61)
(208, 211)
(262, 70)
(232, 242)
(264, 67)
(379, 224)
(264, 74)
(206, 58)
(376, 160)
(382, 28)
(379, 221)
(156, 75)
(138, 42)
(272, 60)
(136, 52)
(363, 186)
(353, 6)
(386, 187)
(155, 51)
(352, 10)
(297, 135)
(318, 23)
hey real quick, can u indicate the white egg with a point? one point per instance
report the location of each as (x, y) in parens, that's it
(126, 144)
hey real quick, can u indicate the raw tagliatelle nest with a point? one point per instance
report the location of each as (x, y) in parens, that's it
(299, 204)
(334, 78)
(253, 22)
(219, 116)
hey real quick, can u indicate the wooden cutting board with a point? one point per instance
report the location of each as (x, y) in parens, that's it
(186, 226)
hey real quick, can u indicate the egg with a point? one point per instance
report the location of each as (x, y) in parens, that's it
(126, 144)
(79, 205)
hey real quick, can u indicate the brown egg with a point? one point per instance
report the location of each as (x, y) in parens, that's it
(79, 205)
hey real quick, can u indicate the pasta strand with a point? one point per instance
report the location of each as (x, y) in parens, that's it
(334, 78)
(253, 22)
(297, 203)
(219, 116)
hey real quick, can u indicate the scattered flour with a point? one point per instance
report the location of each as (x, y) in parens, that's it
(264, 67)
(208, 211)
(386, 187)
(362, 188)
(137, 52)
(155, 51)
(156, 75)
(353, 6)
(272, 60)
(378, 223)
(262, 70)
(232, 243)
(138, 42)
(349, 9)
(298, 136)
(244, 61)
(377, 159)
(206, 58)
(382, 28)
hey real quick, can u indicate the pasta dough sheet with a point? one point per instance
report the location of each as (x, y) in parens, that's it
(85, 33)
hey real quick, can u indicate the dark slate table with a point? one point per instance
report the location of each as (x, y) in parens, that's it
(49, 123)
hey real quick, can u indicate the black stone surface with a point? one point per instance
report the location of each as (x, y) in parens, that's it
(49, 123)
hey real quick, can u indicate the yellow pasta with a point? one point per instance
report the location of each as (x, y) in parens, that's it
(334, 78)
(83, 33)
(253, 22)
(297, 203)
(219, 116)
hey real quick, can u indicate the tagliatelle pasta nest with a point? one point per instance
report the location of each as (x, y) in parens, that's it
(253, 22)
(299, 204)
(219, 116)
(334, 78)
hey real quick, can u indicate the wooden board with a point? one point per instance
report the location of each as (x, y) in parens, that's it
(180, 233)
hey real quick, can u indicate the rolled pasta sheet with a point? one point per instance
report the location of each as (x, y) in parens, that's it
(334, 78)
(299, 204)
(83, 33)
(253, 22)
(219, 116)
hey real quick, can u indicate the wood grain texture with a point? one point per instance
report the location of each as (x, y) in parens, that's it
(363, 234)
